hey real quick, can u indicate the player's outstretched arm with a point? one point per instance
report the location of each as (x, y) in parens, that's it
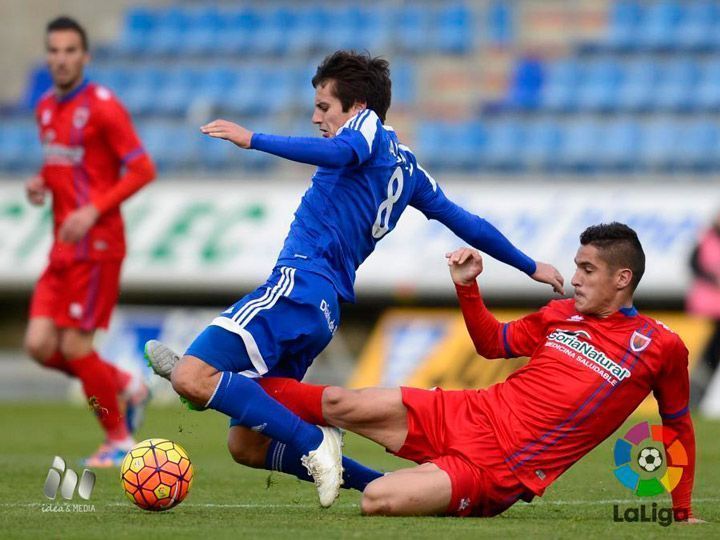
(333, 153)
(480, 233)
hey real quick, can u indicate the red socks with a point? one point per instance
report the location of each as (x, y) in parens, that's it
(99, 383)
(303, 399)
(57, 361)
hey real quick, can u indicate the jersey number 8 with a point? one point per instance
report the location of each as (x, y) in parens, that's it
(394, 189)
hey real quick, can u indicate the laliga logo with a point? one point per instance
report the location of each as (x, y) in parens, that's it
(643, 464)
(68, 481)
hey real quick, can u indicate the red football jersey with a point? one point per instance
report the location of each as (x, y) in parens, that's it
(87, 137)
(585, 376)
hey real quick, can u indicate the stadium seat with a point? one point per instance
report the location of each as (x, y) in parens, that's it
(455, 29)
(618, 145)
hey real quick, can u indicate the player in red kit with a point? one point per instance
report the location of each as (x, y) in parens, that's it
(593, 359)
(93, 161)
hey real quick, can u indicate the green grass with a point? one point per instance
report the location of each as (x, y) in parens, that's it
(230, 501)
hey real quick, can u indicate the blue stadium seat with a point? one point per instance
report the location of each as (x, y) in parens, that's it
(215, 86)
(706, 95)
(619, 142)
(542, 140)
(238, 32)
(580, 141)
(675, 89)
(413, 29)
(20, 150)
(660, 26)
(698, 146)
(559, 88)
(177, 91)
(698, 32)
(505, 142)
(144, 88)
(201, 35)
(637, 92)
(169, 36)
(599, 86)
(139, 24)
(625, 18)
(455, 29)
(659, 142)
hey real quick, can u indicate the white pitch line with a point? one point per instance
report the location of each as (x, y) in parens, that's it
(540, 502)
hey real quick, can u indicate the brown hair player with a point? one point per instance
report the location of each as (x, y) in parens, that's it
(93, 161)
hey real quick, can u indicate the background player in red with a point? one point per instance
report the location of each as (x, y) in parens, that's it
(93, 160)
(593, 359)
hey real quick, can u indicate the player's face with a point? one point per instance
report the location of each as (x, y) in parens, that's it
(328, 113)
(66, 58)
(595, 283)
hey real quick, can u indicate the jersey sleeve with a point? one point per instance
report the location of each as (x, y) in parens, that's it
(476, 231)
(360, 132)
(493, 339)
(117, 127)
(522, 336)
(672, 391)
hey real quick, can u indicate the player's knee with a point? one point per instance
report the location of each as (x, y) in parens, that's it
(336, 402)
(376, 501)
(39, 349)
(248, 453)
(72, 347)
(183, 381)
(191, 383)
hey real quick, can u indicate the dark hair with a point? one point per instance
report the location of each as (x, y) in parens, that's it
(358, 78)
(620, 247)
(68, 23)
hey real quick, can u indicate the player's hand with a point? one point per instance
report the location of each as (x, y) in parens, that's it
(547, 273)
(223, 129)
(465, 265)
(35, 190)
(78, 223)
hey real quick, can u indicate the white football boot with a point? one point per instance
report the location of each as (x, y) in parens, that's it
(325, 465)
(161, 358)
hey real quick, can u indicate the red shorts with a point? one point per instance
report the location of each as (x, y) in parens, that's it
(79, 294)
(448, 428)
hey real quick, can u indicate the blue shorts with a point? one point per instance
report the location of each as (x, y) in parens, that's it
(276, 330)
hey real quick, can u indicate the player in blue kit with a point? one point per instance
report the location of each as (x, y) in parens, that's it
(364, 181)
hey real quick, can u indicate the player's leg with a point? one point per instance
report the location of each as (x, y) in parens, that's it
(243, 399)
(254, 450)
(42, 338)
(98, 381)
(418, 491)
(41, 343)
(90, 292)
(378, 414)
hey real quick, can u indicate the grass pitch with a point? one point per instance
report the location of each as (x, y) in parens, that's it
(230, 501)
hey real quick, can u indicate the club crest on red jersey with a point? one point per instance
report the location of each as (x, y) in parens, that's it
(639, 342)
(80, 117)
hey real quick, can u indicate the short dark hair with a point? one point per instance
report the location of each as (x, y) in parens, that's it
(68, 23)
(359, 78)
(620, 247)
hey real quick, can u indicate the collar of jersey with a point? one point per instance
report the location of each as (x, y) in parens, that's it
(629, 311)
(73, 93)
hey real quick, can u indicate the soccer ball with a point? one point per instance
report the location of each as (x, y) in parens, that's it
(156, 474)
(650, 459)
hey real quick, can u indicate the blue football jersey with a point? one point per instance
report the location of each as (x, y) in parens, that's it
(348, 210)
